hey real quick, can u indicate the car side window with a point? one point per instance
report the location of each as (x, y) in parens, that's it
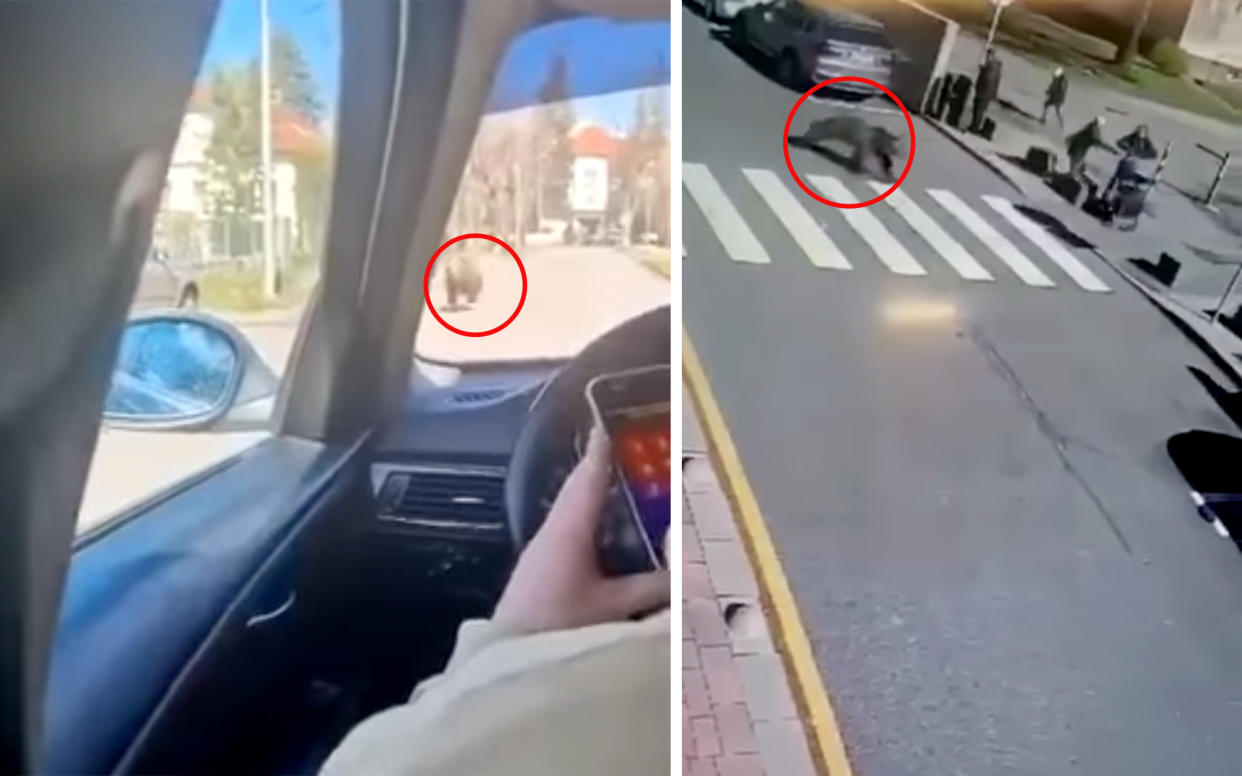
(230, 268)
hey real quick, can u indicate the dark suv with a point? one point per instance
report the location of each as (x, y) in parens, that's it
(814, 44)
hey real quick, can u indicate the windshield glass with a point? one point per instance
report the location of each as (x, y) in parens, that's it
(569, 168)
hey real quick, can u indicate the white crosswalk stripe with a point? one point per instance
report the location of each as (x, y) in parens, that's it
(951, 250)
(819, 247)
(730, 228)
(1006, 251)
(1048, 244)
(947, 228)
(886, 247)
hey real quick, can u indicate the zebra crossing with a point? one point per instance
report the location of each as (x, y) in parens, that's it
(934, 222)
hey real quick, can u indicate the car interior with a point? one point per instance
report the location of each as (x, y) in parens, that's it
(244, 619)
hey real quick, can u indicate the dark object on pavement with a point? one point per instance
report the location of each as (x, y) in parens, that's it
(959, 92)
(987, 86)
(987, 129)
(1099, 207)
(1067, 186)
(1163, 272)
(1040, 161)
(1138, 143)
(938, 98)
(1209, 463)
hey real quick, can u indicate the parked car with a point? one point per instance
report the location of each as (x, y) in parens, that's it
(723, 10)
(163, 285)
(812, 44)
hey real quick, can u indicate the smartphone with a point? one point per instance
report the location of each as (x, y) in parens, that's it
(633, 409)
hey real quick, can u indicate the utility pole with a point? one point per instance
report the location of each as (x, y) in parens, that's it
(1127, 54)
(265, 144)
(997, 7)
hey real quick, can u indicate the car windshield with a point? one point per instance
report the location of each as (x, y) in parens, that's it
(570, 169)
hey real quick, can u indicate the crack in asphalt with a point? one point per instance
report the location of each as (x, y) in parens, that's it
(1060, 442)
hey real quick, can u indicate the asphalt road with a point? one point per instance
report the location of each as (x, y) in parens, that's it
(997, 564)
(574, 294)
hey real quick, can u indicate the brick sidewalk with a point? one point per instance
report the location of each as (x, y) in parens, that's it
(738, 714)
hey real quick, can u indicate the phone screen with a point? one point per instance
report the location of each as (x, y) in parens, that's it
(643, 454)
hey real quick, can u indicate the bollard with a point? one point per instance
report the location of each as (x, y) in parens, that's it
(1233, 281)
(1220, 175)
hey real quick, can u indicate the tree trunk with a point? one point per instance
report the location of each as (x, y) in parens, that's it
(1127, 53)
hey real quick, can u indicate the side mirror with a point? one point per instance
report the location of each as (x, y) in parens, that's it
(188, 371)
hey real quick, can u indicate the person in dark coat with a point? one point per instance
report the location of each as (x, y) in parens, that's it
(987, 86)
(1055, 96)
(1078, 144)
(1138, 143)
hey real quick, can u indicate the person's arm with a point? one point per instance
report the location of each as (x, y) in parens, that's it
(553, 677)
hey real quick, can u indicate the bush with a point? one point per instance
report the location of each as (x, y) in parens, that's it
(1168, 57)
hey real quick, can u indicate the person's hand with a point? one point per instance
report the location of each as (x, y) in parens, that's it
(558, 583)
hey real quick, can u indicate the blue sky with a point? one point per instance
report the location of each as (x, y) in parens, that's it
(315, 24)
(603, 55)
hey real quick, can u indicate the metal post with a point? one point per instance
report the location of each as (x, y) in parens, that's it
(1164, 157)
(1233, 281)
(997, 7)
(265, 142)
(1220, 175)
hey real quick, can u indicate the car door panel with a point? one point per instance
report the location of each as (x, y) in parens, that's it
(153, 598)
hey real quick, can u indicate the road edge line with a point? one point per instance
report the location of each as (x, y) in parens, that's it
(819, 721)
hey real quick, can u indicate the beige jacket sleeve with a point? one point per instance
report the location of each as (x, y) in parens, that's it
(584, 702)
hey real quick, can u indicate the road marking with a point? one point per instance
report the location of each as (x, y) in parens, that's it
(1048, 244)
(738, 241)
(819, 247)
(1005, 250)
(952, 251)
(886, 247)
(827, 745)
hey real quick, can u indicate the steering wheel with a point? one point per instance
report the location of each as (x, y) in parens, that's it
(559, 419)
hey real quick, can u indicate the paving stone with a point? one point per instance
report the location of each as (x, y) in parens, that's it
(767, 688)
(783, 748)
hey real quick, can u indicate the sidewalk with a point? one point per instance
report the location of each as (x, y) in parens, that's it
(738, 712)
(1170, 223)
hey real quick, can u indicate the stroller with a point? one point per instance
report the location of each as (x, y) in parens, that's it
(1123, 199)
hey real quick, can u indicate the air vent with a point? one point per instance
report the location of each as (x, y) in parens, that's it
(466, 499)
(479, 396)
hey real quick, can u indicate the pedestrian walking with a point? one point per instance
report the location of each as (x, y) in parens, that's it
(1078, 144)
(987, 86)
(1055, 96)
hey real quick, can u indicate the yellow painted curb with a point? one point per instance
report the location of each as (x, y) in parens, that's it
(827, 746)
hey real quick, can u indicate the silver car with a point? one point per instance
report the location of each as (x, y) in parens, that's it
(723, 10)
(811, 44)
(162, 285)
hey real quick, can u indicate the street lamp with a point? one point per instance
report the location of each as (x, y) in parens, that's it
(997, 7)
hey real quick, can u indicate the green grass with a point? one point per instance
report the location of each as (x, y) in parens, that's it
(1147, 82)
(656, 259)
(1230, 93)
(240, 289)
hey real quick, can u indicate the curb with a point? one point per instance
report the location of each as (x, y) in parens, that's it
(810, 693)
(995, 166)
(1182, 318)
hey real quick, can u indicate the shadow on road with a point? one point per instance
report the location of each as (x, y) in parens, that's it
(823, 152)
(1055, 226)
